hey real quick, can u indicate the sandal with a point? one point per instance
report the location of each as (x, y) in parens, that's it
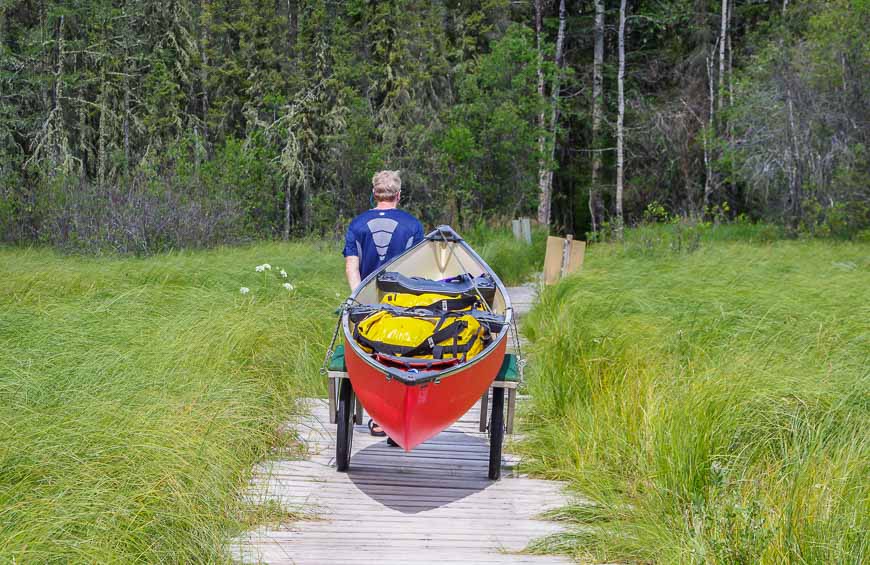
(372, 426)
(391, 442)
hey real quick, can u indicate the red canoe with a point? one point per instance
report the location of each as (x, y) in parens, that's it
(413, 407)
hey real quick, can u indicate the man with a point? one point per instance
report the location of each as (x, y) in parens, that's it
(376, 236)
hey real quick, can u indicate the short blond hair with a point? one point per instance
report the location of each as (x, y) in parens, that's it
(386, 185)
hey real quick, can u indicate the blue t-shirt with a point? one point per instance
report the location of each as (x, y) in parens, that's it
(376, 236)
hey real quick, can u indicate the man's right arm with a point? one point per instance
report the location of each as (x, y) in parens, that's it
(351, 269)
(351, 259)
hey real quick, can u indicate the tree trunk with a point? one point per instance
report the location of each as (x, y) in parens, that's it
(797, 166)
(620, 118)
(126, 126)
(205, 42)
(286, 234)
(542, 139)
(292, 27)
(596, 204)
(730, 55)
(723, 34)
(102, 142)
(708, 166)
(546, 183)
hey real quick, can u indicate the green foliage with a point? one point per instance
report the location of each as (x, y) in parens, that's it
(707, 407)
(283, 110)
(794, 142)
(136, 395)
(311, 97)
(515, 262)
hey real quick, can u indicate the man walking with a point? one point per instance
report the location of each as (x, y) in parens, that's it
(379, 234)
(376, 236)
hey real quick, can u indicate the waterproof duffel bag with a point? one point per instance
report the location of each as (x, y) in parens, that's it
(416, 342)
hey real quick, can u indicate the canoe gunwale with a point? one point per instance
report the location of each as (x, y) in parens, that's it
(447, 235)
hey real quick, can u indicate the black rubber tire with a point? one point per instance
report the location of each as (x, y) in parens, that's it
(496, 433)
(344, 437)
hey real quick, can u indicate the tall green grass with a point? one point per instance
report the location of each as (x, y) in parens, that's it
(136, 394)
(712, 403)
(513, 261)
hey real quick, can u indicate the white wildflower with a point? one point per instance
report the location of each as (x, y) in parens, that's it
(283, 274)
(260, 268)
(288, 286)
(338, 295)
(267, 266)
(244, 290)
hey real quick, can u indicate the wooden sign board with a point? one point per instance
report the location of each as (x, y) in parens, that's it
(563, 257)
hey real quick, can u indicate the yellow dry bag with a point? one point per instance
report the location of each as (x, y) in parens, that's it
(449, 336)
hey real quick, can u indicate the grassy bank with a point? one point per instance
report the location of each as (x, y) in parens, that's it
(711, 400)
(135, 394)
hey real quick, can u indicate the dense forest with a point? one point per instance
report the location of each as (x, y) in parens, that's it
(138, 126)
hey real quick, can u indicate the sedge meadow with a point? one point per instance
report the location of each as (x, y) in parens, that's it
(706, 392)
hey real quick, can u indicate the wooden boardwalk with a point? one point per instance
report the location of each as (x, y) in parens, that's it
(433, 505)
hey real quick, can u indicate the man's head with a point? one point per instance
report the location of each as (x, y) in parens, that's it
(386, 186)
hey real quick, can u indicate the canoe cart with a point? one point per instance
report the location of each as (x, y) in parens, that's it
(417, 390)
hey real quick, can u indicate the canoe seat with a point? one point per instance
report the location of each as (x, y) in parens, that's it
(465, 284)
(509, 371)
(336, 363)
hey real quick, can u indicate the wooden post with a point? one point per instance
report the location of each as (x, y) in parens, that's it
(526, 228)
(515, 226)
(566, 252)
(484, 401)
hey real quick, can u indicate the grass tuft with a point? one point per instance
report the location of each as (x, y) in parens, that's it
(711, 402)
(136, 395)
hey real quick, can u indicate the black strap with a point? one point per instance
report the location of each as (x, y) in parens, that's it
(493, 322)
(453, 303)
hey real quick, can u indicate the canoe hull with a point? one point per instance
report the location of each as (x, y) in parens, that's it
(411, 414)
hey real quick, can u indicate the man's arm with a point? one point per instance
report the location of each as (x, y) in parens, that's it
(351, 269)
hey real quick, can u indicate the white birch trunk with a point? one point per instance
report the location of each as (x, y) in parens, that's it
(542, 139)
(620, 118)
(546, 183)
(595, 200)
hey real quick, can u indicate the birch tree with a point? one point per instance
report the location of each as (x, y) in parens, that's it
(542, 138)
(596, 205)
(620, 119)
(546, 180)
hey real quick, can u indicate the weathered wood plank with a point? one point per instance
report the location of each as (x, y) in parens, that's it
(432, 505)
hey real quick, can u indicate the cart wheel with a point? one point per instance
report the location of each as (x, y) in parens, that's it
(496, 433)
(344, 439)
